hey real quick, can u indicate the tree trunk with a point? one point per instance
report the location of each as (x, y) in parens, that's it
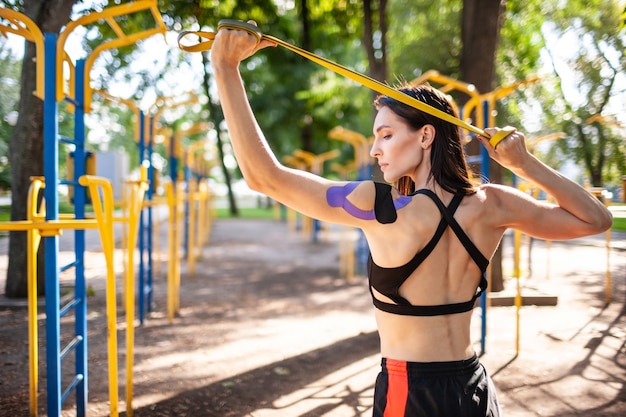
(306, 133)
(26, 141)
(376, 51)
(216, 115)
(480, 33)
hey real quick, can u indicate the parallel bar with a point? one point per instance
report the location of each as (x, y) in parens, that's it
(70, 100)
(71, 346)
(77, 380)
(68, 266)
(67, 307)
(65, 139)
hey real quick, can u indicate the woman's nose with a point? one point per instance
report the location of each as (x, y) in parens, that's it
(375, 151)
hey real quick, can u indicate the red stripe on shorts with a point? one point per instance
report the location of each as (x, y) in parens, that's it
(397, 388)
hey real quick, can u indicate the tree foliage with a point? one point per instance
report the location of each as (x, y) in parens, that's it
(298, 103)
(589, 82)
(10, 68)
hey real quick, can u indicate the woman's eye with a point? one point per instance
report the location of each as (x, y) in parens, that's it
(387, 137)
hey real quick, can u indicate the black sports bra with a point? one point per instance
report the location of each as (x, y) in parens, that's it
(387, 281)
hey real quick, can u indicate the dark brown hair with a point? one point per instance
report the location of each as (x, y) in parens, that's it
(449, 168)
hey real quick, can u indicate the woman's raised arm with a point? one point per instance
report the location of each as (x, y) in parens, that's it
(576, 213)
(300, 190)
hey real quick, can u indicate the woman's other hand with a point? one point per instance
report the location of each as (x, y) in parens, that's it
(510, 152)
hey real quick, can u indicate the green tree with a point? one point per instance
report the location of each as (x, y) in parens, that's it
(587, 85)
(10, 68)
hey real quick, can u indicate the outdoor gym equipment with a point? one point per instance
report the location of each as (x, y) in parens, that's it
(149, 122)
(47, 223)
(348, 235)
(315, 165)
(198, 198)
(337, 68)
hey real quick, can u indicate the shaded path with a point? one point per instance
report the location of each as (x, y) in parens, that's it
(268, 328)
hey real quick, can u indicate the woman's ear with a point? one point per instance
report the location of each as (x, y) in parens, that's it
(428, 135)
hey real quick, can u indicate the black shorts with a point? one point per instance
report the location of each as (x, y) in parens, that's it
(434, 389)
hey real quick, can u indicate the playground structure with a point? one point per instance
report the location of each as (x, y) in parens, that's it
(60, 79)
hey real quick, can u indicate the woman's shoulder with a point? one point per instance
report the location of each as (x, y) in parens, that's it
(498, 203)
(497, 194)
(486, 201)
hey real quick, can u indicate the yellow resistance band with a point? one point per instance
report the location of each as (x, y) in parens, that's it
(207, 41)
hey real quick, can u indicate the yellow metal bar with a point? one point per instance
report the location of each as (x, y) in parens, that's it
(117, 43)
(357, 140)
(27, 29)
(156, 244)
(518, 292)
(33, 241)
(173, 252)
(71, 78)
(139, 189)
(607, 287)
(191, 236)
(178, 244)
(103, 208)
(115, 27)
(207, 213)
(198, 127)
(204, 214)
(123, 40)
(164, 103)
(48, 228)
(202, 221)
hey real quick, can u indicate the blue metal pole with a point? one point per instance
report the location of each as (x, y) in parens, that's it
(141, 289)
(187, 176)
(150, 193)
(80, 288)
(51, 243)
(484, 174)
(364, 173)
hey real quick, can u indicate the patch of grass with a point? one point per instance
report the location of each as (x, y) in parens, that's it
(247, 213)
(619, 223)
(5, 213)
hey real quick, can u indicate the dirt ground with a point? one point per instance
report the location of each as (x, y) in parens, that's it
(268, 327)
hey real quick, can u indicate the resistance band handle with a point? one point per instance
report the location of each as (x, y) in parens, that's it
(500, 135)
(206, 45)
(239, 25)
(205, 41)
